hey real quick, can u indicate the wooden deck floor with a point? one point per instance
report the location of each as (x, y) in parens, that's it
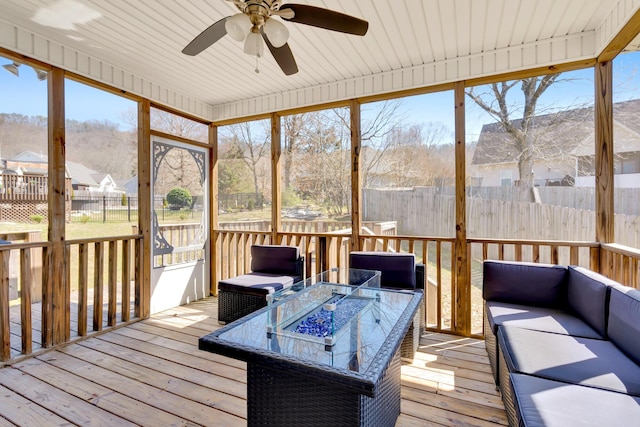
(151, 373)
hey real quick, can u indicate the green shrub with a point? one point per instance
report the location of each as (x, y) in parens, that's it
(85, 218)
(179, 197)
(37, 218)
(290, 198)
(123, 200)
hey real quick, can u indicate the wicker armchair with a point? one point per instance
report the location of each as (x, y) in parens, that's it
(398, 271)
(273, 267)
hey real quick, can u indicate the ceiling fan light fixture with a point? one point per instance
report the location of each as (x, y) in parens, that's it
(253, 45)
(276, 32)
(238, 26)
(12, 68)
(41, 74)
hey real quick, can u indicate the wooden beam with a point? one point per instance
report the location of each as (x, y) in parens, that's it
(213, 209)
(462, 285)
(356, 174)
(276, 174)
(143, 294)
(628, 32)
(604, 153)
(53, 321)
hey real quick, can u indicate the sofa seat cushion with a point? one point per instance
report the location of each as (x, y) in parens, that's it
(257, 283)
(537, 318)
(585, 361)
(542, 402)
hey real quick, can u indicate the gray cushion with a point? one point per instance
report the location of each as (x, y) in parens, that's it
(275, 259)
(398, 270)
(595, 363)
(257, 283)
(588, 296)
(542, 285)
(537, 318)
(541, 402)
(624, 320)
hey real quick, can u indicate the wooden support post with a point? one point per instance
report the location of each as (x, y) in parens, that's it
(356, 175)
(276, 173)
(462, 286)
(143, 291)
(54, 290)
(604, 153)
(213, 210)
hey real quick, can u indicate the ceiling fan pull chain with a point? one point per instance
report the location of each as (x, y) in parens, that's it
(257, 70)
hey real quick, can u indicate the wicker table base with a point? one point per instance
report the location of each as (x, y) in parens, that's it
(277, 397)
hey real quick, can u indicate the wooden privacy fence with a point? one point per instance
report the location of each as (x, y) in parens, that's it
(103, 278)
(426, 213)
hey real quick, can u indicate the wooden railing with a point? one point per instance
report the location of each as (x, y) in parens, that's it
(325, 250)
(27, 187)
(620, 263)
(313, 227)
(103, 280)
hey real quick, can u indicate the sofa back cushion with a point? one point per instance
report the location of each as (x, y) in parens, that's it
(398, 270)
(623, 327)
(541, 285)
(588, 297)
(275, 259)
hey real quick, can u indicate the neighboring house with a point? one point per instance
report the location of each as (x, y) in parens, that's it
(82, 178)
(85, 179)
(565, 149)
(130, 185)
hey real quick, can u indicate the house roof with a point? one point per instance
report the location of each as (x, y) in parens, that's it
(29, 157)
(79, 173)
(558, 134)
(82, 175)
(135, 46)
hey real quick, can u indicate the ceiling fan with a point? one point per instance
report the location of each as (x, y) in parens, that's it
(256, 23)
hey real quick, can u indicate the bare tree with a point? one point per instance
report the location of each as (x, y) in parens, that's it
(497, 104)
(250, 142)
(178, 167)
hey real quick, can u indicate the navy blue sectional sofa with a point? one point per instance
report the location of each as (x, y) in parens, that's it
(563, 343)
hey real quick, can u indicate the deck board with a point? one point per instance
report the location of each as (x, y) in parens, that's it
(151, 373)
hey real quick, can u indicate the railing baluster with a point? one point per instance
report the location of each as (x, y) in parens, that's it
(98, 285)
(5, 330)
(113, 283)
(126, 280)
(83, 284)
(26, 285)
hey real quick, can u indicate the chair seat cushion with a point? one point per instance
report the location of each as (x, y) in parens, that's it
(538, 319)
(542, 402)
(594, 363)
(275, 259)
(257, 283)
(398, 270)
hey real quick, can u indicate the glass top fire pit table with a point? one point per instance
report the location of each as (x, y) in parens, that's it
(323, 352)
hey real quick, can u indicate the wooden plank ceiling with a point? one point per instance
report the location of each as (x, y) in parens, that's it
(136, 45)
